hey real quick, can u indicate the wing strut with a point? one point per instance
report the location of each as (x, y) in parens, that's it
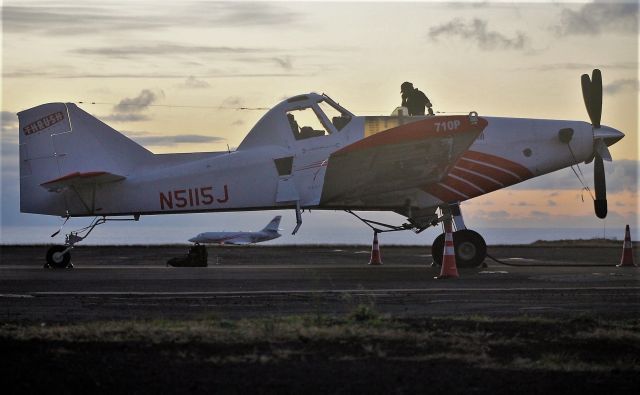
(298, 218)
(389, 228)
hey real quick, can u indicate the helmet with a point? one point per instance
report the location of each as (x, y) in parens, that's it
(406, 86)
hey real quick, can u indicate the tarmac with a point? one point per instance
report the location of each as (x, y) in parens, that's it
(113, 283)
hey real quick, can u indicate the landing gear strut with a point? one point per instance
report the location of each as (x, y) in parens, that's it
(59, 256)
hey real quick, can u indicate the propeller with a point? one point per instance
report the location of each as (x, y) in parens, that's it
(592, 94)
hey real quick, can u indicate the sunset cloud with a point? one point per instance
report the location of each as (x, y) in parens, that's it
(478, 32)
(599, 17)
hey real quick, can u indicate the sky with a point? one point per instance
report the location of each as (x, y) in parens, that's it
(196, 76)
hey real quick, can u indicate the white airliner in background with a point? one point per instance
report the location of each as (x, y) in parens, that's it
(269, 232)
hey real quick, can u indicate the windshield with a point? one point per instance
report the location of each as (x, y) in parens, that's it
(316, 120)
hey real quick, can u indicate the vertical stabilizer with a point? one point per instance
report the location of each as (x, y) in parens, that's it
(273, 225)
(58, 140)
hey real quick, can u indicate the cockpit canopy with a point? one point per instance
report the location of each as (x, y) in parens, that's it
(298, 118)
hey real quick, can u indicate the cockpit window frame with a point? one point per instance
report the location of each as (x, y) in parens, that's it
(326, 123)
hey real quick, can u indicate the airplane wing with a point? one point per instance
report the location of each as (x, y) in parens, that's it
(240, 240)
(78, 179)
(407, 156)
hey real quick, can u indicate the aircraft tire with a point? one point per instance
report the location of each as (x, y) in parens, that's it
(471, 249)
(437, 248)
(57, 260)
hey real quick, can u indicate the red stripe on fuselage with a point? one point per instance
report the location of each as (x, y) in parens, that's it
(502, 163)
(497, 174)
(482, 181)
(463, 187)
(444, 194)
(477, 170)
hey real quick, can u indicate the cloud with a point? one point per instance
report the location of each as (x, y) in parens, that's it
(106, 17)
(621, 175)
(70, 20)
(163, 49)
(194, 83)
(539, 214)
(619, 86)
(599, 17)
(494, 214)
(147, 139)
(285, 62)
(125, 118)
(245, 14)
(232, 101)
(584, 67)
(477, 31)
(9, 121)
(147, 76)
(551, 203)
(137, 104)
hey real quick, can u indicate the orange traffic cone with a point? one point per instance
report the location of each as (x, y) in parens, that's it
(376, 258)
(627, 250)
(449, 269)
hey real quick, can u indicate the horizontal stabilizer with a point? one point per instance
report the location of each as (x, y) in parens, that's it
(78, 179)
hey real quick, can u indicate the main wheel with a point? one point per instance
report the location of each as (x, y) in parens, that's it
(437, 248)
(56, 258)
(471, 249)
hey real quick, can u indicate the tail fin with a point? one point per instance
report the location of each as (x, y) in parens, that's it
(58, 140)
(273, 225)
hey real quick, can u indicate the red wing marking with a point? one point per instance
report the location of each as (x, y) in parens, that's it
(75, 175)
(78, 179)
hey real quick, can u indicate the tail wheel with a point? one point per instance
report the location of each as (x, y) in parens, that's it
(56, 258)
(471, 249)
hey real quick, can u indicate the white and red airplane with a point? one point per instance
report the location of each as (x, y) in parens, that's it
(269, 232)
(307, 152)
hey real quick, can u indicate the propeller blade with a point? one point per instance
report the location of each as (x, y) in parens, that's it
(595, 102)
(601, 148)
(586, 93)
(599, 182)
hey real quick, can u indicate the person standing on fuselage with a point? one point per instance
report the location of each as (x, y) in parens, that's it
(414, 100)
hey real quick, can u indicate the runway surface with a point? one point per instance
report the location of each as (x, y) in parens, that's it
(132, 283)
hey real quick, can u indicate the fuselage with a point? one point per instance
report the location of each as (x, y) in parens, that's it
(274, 169)
(509, 151)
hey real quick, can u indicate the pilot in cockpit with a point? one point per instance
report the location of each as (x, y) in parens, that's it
(293, 124)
